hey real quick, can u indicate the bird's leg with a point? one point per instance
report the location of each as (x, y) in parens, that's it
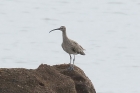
(73, 61)
(70, 60)
(70, 68)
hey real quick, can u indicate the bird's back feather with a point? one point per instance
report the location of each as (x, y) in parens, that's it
(77, 48)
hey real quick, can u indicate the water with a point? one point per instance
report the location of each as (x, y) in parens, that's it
(108, 30)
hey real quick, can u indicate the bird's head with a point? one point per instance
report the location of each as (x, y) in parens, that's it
(62, 28)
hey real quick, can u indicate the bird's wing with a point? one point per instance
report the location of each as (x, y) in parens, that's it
(76, 47)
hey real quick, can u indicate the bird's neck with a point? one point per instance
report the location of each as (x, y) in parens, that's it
(64, 35)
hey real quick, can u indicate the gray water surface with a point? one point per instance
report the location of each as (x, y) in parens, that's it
(108, 30)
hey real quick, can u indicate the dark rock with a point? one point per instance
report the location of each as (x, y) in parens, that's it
(44, 79)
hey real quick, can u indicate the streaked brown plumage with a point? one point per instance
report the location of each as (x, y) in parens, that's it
(70, 46)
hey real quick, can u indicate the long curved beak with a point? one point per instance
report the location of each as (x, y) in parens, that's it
(54, 29)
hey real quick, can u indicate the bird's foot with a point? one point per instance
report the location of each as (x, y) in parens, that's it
(71, 68)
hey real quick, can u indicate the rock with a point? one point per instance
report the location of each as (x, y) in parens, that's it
(44, 79)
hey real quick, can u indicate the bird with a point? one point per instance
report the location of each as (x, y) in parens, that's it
(70, 46)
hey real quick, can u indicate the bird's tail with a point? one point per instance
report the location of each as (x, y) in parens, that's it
(82, 53)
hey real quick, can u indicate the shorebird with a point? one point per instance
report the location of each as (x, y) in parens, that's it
(70, 46)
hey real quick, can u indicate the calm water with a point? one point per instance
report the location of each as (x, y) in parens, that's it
(108, 30)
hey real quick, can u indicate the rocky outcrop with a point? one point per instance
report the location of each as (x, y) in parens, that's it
(45, 79)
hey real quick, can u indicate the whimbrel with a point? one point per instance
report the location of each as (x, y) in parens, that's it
(70, 46)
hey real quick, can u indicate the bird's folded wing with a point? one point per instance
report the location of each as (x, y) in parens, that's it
(76, 47)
